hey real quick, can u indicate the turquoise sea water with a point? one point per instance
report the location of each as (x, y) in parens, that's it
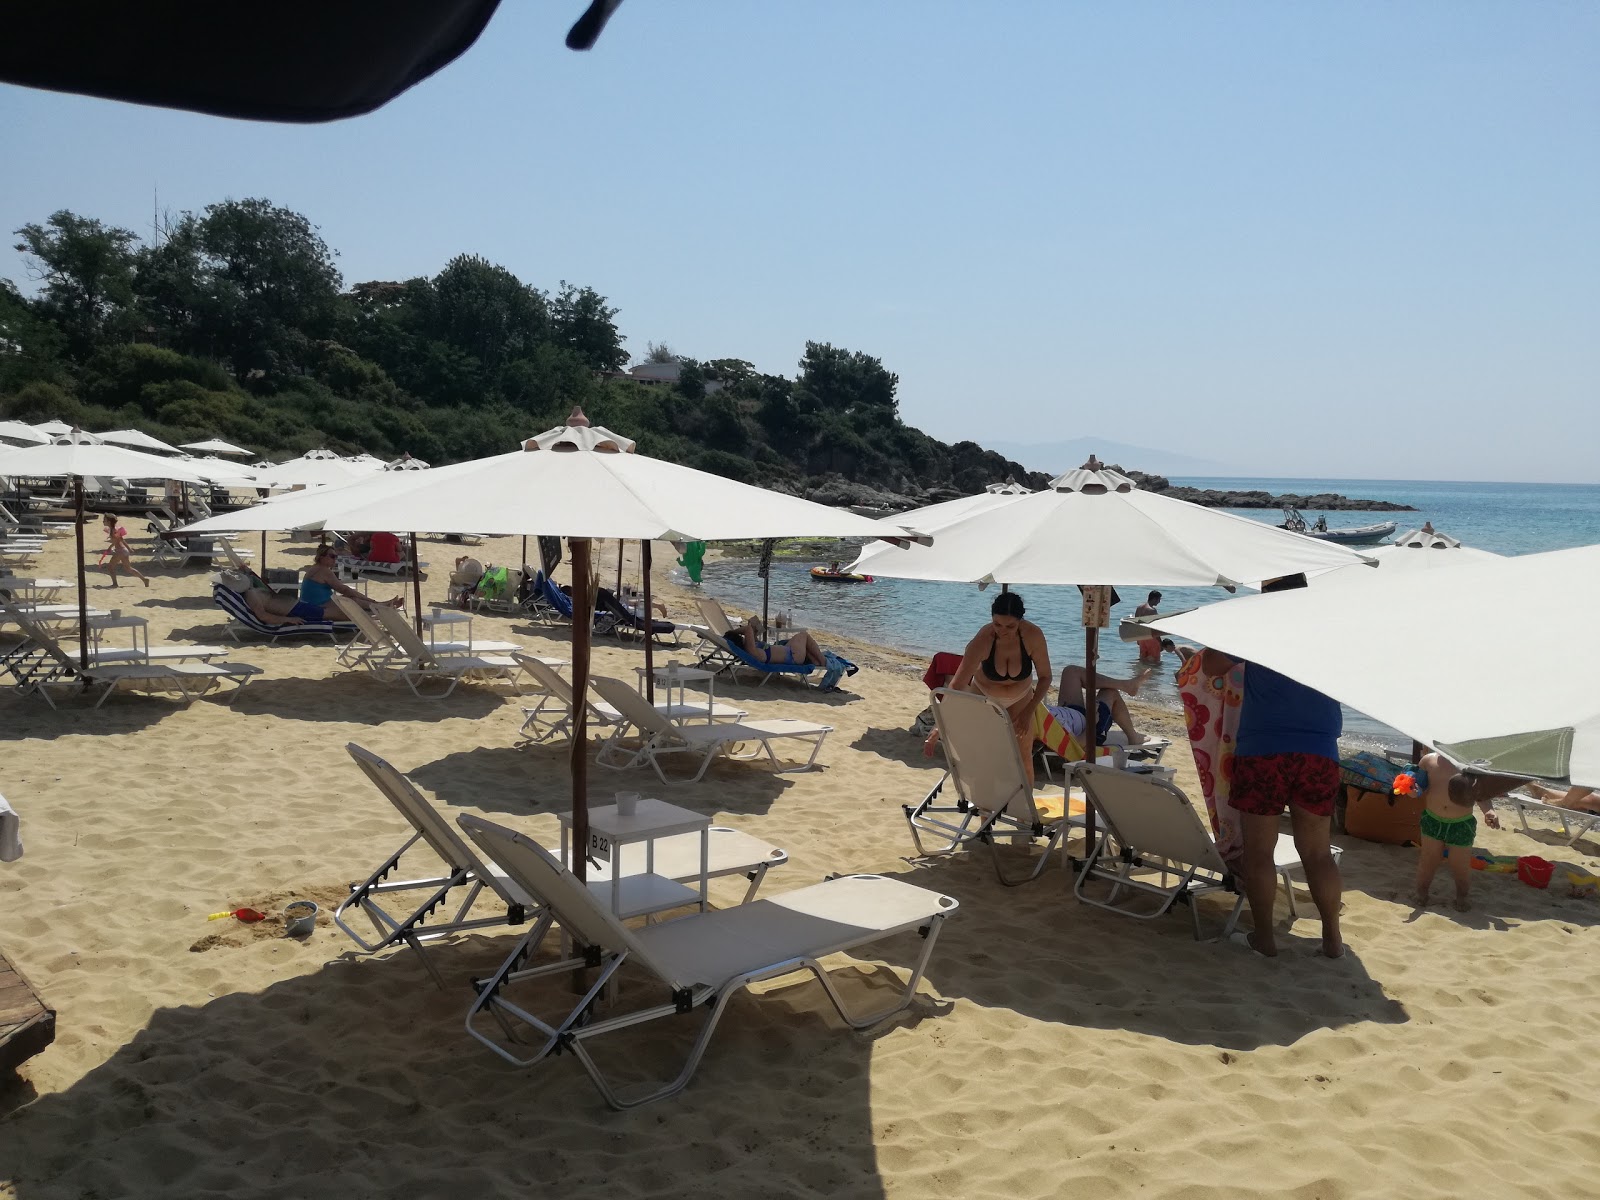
(1507, 518)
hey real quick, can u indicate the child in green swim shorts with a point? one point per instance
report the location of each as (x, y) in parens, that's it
(1448, 826)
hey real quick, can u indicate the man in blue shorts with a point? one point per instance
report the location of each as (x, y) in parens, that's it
(1286, 756)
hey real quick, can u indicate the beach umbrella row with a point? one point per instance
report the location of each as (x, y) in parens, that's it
(77, 461)
(576, 481)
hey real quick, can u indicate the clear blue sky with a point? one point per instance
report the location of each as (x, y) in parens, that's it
(1359, 239)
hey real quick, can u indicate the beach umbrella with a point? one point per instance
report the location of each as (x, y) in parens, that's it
(27, 435)
(215, 446)
(75, 461)
(53, 428)
(319, 468)
(1417, 550)
(1430, 653)
(406, 463)
(78, 437)
(137, 440)
(583, 483)
(1095, 528)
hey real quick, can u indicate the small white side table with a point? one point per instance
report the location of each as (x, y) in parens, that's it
(670, 678)
(641, 894)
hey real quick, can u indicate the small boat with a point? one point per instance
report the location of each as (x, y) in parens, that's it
(1355, 535)
(826, 575)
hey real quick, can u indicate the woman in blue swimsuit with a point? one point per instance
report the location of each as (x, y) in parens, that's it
(319, 585)
(1009, 662)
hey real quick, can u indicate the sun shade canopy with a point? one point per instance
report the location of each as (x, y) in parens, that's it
(1430, 653)
(1094, 526)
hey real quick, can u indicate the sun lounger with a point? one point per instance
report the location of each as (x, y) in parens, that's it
(730, 852)
(551, 717)
(552, 600)
(993, 800)
(40, 664)
(244, 621)
(626, 623)
(421, 664)
(1574, 822)
(1156, 846)
(33, 591)
(659, 737)
(698, 961)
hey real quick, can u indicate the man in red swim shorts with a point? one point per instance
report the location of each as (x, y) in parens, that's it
(1286, 756)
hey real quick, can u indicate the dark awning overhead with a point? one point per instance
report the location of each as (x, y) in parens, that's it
(286, 60)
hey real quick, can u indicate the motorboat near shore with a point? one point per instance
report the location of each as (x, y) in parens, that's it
(1355, 535)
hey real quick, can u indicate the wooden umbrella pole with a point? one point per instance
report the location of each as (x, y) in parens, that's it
(582, 624)
(416, 586)
(647, 623)
(263, 556)
(83, 587)
(621, 554)
(524, 554)
(1091, 722)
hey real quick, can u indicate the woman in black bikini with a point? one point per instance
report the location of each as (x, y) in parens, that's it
(1009, 662)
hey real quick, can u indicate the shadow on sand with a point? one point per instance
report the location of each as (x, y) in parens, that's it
(538, 778)
(1035, 950)
(357, 1080)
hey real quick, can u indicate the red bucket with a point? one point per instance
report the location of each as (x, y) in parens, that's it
(1535, 871)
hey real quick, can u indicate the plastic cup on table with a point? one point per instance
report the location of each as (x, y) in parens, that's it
(627, 803)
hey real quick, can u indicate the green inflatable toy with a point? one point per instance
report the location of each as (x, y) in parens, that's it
(693, 560)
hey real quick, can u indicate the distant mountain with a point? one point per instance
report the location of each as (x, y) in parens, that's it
(1056, 457)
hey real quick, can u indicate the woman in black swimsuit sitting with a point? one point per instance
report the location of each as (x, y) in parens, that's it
(1009, 662)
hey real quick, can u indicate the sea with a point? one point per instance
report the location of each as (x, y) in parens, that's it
(923, 618)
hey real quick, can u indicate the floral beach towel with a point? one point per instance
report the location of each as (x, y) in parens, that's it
(1211, 712)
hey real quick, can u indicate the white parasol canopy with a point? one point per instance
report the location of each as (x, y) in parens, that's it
(406, 463)
(310, 508)
(1430, 652)
(579, 481)
(1096, 527)
(216, 470)
(53, 428)
(319, 468)
(17, 431)
(1419, 550)
(215, 446)
(86, 459)
(138, 440)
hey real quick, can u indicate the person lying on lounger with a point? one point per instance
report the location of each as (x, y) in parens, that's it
(1109, 704)
(801, 647)
(268, 608)
(1580, 799)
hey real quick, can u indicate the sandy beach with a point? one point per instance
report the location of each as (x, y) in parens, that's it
(1054, 1048)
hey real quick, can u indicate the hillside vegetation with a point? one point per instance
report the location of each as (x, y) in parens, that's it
(235, 322)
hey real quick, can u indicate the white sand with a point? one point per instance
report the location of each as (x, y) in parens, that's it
(1055, 1050)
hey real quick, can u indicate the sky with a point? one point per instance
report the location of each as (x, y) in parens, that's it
(1356, 240)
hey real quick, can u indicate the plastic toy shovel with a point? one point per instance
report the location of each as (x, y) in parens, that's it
(247, 915)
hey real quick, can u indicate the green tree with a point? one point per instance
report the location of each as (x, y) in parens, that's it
(273, 286)
(852, 384)
(85, 268)
(584, 323)
(30, 345)
(486, 311)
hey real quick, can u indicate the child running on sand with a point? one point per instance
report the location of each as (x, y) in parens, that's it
(1448, 826)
